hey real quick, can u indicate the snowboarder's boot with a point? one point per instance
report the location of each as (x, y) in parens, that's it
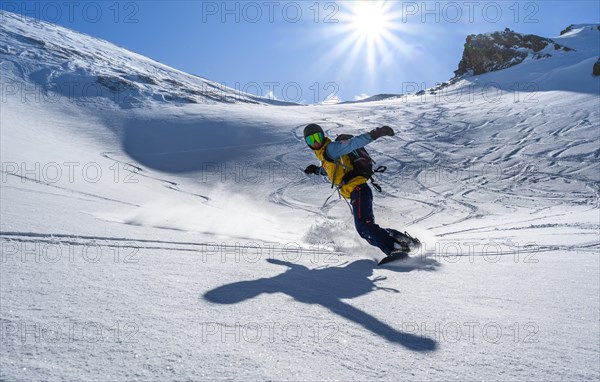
(404, 241)
(401, 245)
(395, 255)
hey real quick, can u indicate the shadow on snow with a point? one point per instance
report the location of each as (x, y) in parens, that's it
(175, 146)
(326, 287)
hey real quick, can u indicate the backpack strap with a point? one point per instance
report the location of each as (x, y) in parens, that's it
(337, 167)
(376, 185)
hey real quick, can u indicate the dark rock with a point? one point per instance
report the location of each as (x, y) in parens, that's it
(33, 41)
(140, 78)
(567, 29)
(70, 54)
(596, 71)
(115, 84)
(173, 82)
(485, 53)
(178, 99)
(146, 80)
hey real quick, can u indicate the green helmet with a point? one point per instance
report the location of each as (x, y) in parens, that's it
(312, 129)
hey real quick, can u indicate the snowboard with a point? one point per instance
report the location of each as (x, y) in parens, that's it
(394, 257)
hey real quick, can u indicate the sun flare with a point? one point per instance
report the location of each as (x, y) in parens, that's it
(369, 19)
(369, 39)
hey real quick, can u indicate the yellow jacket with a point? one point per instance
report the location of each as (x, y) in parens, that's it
(335, 171)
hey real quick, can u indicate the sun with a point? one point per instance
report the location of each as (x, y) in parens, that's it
(368, 39)
(369, 19)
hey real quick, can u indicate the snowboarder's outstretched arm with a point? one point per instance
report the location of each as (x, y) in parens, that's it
(336, 149)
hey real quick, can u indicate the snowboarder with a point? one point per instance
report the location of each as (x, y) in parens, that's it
(335, 164)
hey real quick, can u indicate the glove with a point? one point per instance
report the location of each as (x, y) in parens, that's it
(312, 169)
(381, 131)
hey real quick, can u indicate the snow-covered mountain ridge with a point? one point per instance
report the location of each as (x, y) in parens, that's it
(498, 51)
(79, 66)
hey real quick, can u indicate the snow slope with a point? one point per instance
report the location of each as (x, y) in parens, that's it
(80, 66)
(157, 240)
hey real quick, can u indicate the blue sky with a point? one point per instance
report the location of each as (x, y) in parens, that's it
(306, 50)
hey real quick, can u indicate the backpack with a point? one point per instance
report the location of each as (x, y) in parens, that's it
(362, 164)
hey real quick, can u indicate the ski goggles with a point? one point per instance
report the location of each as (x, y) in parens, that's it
(316, 137)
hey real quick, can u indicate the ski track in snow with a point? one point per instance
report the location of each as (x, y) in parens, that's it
(137, 243)
(69, 190)
(138, 170)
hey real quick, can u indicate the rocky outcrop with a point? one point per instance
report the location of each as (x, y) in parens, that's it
(567, 29)
(596, 70)
(490, 52)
